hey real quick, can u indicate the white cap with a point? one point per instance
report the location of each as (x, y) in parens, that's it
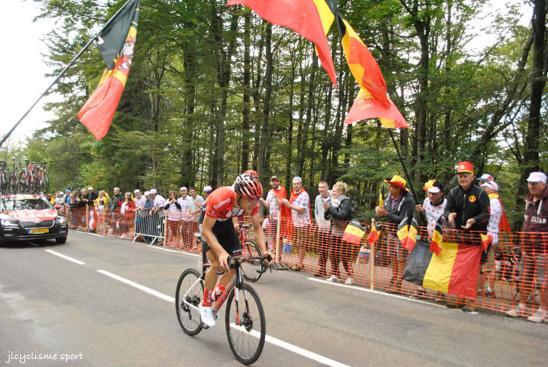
(90, 188)
(147, 193)
(537, 177)
(136, 191)
(486, 177)
(297, 179)
(434, 190)
(208, 189)
(183, 188)
(491, 185)
(153, 191)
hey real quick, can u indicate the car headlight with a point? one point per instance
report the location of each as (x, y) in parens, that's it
(61, 220)
(9, 223)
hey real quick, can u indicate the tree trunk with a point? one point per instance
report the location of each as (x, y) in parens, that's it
(265, 139)
(247, 90)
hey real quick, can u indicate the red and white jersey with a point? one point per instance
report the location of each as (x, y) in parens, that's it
(221, 204)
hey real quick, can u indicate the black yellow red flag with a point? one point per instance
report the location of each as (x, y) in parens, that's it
(116, 43)
(309, 18)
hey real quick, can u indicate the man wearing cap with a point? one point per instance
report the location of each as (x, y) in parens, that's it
(398, 205)
(496, 223)
(533, 248)
(433, 205)
(486, 177)
(467, 209)
(157, 199)
(299, 203)
(139, 199)
(273, 204)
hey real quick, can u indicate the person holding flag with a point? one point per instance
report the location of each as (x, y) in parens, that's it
(398, 206)
(467, 209)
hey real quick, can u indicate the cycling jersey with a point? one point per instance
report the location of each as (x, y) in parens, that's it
(220, 204)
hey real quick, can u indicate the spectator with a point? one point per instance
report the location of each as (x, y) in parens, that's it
(196, 202)
(496, 212)
(92, 195)
(139, 199)
(149, 203)
(114, 205)
(272, 203)
(533, 251)
(84, 197)
(186, 217)
(117, 199)
(398, 205)
(339, 209)
(433, 205)
(158, 201)
(207, 190)
(467, 209)
(485, 178)
(299, 204)
(173, 209)
(324, 228)
(127, 211)
(101, 205)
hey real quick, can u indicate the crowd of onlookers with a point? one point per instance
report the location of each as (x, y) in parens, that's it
(474, 204)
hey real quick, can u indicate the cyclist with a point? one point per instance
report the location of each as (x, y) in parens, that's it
(224, 206)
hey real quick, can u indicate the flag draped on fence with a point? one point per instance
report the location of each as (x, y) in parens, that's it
(116, 44)
(455, 271)
(303, 17)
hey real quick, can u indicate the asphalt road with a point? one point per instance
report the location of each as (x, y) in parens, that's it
(53, 307)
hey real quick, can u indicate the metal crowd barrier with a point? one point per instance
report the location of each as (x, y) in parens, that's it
(150, 227)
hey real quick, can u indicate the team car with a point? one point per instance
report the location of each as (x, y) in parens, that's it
(30, 217)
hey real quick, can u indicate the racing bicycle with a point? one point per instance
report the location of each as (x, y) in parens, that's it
(245, 321)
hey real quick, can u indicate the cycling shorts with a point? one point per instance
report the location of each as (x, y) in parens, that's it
(226, 235)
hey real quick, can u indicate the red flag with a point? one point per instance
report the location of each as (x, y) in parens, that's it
(362, 64)
(301, 16)
(486, 240)
(373, 235)
(366, 107)
(98, 111)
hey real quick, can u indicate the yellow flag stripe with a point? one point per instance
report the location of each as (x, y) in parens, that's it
(326, 15)
(438, 273)
(354, 231)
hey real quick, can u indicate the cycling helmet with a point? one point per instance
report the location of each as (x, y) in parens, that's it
(248, 186)
(251, 172)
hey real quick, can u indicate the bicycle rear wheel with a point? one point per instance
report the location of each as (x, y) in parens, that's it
(188, 296)
(245, 324)
(250, 269)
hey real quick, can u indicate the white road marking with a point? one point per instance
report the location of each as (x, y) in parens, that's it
(148, 290)
(65, 257)
(377, 292)
(293, 348)
(277, 342)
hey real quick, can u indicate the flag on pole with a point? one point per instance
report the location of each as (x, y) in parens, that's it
(309, 18)
(407, 233)
(116, 44)
(381, 200)
(486, 240)
(366, 107)
(437, 238)
(374, 234)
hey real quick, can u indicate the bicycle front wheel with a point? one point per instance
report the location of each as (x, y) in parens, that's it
(245, 324)
(251, 269)
(188, 295)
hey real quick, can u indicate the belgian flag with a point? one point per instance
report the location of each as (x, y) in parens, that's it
(454, 271)
(116, 44)
(309, 18)
(407, 233)
(486, 240)
(353, 233)
(437, 238)
(374, 235)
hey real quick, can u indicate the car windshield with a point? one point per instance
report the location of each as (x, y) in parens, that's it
(25, 204)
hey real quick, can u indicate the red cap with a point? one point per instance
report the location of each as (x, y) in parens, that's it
(465, 167)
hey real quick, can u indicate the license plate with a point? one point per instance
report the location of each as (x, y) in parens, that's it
(38, 230)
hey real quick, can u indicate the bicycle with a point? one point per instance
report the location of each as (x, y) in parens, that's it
(252, 270)
(245, 321)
